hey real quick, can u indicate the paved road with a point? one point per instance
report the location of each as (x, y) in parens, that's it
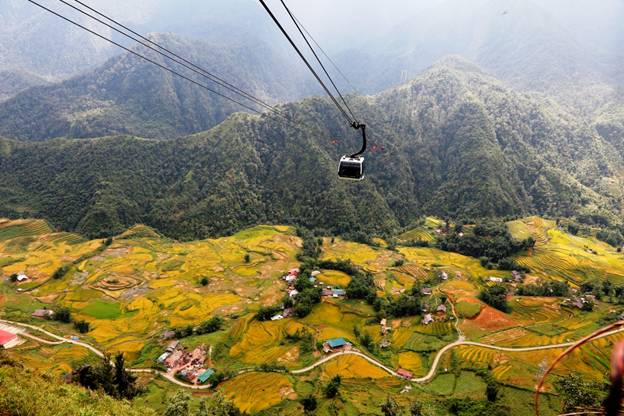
(424, 379)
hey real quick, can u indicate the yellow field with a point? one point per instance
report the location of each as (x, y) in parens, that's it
(260, 342)
(566, 257)
(369, 258)
(152, 282)
(334, 278)
(432, 259)
(412, 361)
(352, 366)
(253, 392)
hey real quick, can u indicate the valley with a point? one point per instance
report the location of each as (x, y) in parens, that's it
(137, 285)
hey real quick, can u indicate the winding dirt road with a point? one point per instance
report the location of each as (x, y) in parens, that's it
(424, 379)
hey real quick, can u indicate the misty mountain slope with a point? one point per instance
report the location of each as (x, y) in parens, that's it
(14, 82)
(453, 142)
(35, 41)
(130, 96)
(522, 42)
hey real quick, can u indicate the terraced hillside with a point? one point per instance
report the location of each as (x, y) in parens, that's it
(133, 287)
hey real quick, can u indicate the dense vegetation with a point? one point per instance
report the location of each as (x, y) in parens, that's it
(252, 170)
(490, 241)
(496, 297)
(109, 377)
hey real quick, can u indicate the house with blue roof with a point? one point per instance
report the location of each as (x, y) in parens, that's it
(205, 376)
(335, 344)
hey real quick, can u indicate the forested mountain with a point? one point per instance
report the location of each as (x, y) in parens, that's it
(453, 142)
(130, 96)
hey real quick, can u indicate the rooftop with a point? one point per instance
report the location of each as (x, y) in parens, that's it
(6, 337)
(336, 342)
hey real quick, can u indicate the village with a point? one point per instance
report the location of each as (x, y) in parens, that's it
(184, 365)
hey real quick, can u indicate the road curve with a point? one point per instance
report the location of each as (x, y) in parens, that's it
(424, 379)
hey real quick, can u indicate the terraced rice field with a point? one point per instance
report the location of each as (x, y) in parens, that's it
(32, 247)
(334, 278)
(433, 259)
(254, 392)
(263, 342)
(372, 259)
(352, 366)
(563, 256)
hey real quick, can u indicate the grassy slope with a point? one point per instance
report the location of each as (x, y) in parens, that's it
(28, 393)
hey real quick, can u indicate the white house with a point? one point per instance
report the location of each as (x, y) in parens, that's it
(22, 277)
(277, 317)
(496, 279)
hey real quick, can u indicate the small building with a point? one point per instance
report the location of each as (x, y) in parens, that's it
(290, 278)
(8, 339)
(441, 308)
(293, 293)
(405, 374)
(22, 277)
(277, 317)
(167, 334)
(338, 292)
(326, 292)
(444, 275)
(288, 312)
(427, 291)
(427, 319)
(517, 277)
(43, 314)
(312, 279)
(496, 279)
(172, 346)
(294, 272)
(163, 357)
(335, 344)
(384, 344)
(205, 376)
(315, 273)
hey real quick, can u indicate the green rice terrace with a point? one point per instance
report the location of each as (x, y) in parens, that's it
(270, 316)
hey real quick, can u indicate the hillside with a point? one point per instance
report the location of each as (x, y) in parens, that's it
(141, 284)
(127, 95)
(453, 142)
(27, 392)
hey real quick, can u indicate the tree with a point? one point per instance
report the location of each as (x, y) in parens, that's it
(13, 278)
(82, 326)
(331, 390)
(210, 326)
(178, 404)
(204, 281)
(217, 405)
(390, 407)
(247, 258)
(105, 374)
(577, 394)
(63, 315)
(124, 381)
(416, 409)
(309, 403)
(496, 297)
(491, 390)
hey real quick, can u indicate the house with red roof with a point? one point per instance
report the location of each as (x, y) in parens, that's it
(7, 339)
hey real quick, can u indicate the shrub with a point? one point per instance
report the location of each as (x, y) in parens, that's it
(82, 326)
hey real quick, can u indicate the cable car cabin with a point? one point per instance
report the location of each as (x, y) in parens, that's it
(351, 168)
